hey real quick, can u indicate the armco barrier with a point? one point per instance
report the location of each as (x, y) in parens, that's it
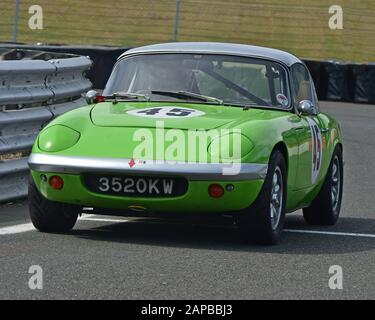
(32, 93)
(103, 58)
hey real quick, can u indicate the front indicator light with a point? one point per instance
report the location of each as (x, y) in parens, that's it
(215, 191)
(56, 182)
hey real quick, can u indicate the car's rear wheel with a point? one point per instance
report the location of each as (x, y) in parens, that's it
(50, 216)
(325, 209)
(263, 222)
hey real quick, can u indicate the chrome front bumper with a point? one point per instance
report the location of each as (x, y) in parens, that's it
(191, 171)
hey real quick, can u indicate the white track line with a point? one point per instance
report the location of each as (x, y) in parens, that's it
(19, 228)
(26, 227)
(346, 234)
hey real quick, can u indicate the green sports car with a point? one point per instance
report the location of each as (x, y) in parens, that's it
(183, 128)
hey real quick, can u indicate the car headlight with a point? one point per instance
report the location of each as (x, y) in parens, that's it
(231, 146)
(57, 138)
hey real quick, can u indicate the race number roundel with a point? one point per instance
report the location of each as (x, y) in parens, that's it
(166, 112)
(317, 149)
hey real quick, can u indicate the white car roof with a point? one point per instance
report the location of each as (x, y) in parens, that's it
(217, 48)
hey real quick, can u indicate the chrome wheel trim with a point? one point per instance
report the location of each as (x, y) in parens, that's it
(335, 183)
(277, 194)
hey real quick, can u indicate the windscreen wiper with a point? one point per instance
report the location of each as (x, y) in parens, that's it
(188, 95)
(127, 96)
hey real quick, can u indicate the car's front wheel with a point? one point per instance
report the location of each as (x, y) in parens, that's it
(50, 216)
(325, 209)
(263, 222)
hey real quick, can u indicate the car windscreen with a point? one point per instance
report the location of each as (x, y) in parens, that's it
(233, 79)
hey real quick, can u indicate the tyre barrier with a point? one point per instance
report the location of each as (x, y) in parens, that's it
(35, 87)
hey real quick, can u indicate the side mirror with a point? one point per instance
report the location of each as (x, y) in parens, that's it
(91, 96)
(306, 108)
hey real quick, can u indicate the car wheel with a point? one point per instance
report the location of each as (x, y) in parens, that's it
(263, 222)
(50, 216)
(325, 209)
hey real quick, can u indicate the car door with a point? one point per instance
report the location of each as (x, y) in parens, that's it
(309, 131)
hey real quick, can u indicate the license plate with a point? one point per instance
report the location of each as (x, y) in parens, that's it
(136, 186)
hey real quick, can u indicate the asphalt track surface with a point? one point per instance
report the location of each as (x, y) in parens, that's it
(115, 258)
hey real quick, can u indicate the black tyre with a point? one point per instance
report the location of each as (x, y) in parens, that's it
(263, 221)
(50, 216)
(325, 209)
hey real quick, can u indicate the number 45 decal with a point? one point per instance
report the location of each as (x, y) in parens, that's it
(316, 149)
(166, 112)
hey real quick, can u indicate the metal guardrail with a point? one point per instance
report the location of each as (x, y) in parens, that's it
(32, 93)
